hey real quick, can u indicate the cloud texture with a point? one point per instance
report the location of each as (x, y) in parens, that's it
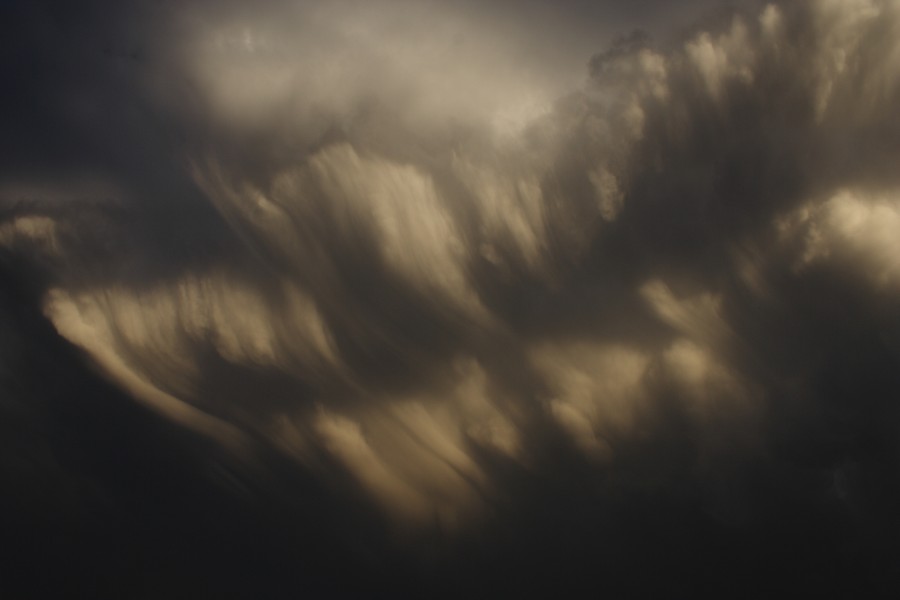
(453, 314)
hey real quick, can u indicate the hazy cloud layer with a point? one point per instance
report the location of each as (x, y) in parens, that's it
(435, 295)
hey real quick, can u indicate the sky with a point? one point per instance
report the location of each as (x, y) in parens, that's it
(450, 299)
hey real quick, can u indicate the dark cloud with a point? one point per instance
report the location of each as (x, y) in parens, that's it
(353, 299)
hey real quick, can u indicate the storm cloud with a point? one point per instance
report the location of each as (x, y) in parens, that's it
(432, 298)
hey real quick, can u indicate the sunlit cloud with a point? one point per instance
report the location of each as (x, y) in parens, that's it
(460, 268)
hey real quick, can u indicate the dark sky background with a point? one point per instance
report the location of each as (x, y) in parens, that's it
(449, 299)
